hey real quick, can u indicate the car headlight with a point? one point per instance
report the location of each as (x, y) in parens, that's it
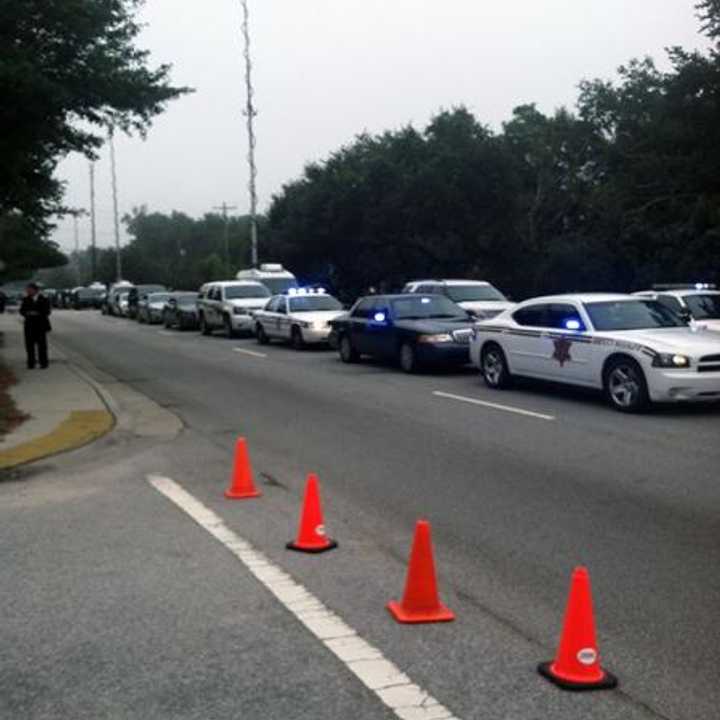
(241, 311)
(671, 360)
(438, 338)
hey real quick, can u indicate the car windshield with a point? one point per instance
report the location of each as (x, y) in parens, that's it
(704, 307)
(278, 286)
(418, 307)
(631, 315)
(237, 292)
(474, 293)
(313, 303)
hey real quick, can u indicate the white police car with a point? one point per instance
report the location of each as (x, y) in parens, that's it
(302, 316)
(699, 303)
(635, 349)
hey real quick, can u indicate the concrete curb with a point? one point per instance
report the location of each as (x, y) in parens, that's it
(78, 429)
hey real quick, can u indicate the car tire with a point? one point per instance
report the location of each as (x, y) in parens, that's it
(261, 335)
(296, 338)
(407, 357)
(204, 327)
(625, 385)
(348, 354)
(494, 367)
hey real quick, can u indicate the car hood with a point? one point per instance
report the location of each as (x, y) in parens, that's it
(495, 306)
(254, 303)
(318, 315)
(432, 326)
(686, 340)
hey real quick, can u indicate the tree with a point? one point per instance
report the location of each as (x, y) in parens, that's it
(69, 71)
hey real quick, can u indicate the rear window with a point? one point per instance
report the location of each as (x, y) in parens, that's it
(474, 293)
(419, 307)
(239, 292)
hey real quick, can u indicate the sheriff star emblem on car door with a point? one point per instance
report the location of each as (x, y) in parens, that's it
(562, 350)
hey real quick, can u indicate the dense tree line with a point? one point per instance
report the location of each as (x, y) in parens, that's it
(70, 70)
(621, 192)
(175, 250)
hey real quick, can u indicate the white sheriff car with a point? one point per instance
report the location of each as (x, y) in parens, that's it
(302, 317)
(635, 349)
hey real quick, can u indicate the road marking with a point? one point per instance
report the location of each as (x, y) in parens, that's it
(394, 688)
(250, 352)
(495, 406)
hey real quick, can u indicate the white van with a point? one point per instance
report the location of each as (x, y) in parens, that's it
(273, 276)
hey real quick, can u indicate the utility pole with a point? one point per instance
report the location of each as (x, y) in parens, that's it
(250, 113)
(224, 209)
(93, 246)
(118, 259)
(77, 213)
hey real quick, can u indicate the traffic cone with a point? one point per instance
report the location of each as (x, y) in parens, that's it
(311, 536)
(420, 603)
(242, 485)
(577, 662)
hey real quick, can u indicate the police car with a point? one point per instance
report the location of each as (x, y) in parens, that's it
(478, 297)
(699, 303)
(302, 316)
(635, 349)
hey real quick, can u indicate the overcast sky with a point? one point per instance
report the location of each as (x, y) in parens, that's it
(326, 70)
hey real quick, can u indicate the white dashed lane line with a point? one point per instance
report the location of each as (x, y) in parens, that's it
(494, 406)
(249, 352)
(393, 687)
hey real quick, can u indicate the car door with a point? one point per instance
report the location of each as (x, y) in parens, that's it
(522, 342)
(566, 346)
(357, 322)
(268, 318)
(282, 322)
(380, 330)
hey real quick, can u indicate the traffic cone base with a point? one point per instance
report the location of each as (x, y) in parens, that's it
(607, 681)
(311, 536)
(437, 614)
(242, 495)
(331, 545)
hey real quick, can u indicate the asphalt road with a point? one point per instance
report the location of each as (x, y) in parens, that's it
(516, 501)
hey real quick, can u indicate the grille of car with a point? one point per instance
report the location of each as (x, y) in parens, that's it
(462, 336)
(709, 363)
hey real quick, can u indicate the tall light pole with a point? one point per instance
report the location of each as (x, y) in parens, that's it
(118, 259)
(77, 213)
(250, 113)
(224, 209)
(93, 246)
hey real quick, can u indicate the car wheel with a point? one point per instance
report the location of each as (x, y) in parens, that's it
(625, 385)
(494, 367)
(408, 358)
(296, 339)
(348, 354)
(262, 336)
(204, 327)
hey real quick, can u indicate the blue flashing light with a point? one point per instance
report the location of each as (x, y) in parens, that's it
(572, 324)
(379, 317)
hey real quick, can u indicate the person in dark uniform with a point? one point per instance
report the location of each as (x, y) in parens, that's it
(35, 308)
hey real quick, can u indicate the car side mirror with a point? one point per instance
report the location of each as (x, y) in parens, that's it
(686, 316)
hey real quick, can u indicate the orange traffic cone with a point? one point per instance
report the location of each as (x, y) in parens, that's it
(577, 662)
(311, 536)
(420, 603)
(242, 485)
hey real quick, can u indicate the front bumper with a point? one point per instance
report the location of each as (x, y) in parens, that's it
(315, 335)
(242, 323)
(683, 385)
(442, 353)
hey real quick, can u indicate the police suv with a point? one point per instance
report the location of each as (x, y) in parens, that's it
(635, 349)
(698, 303)
(302, 317)
(229, 305)
(478, 297)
